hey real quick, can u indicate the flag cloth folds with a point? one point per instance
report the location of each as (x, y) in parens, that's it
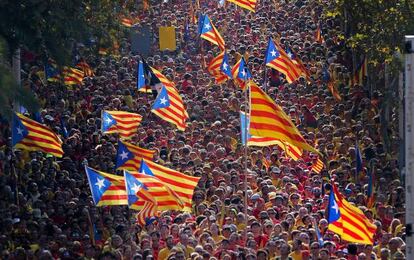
(169, 105)
(360, 73)
(51, 71)
(278, 59)
(85, 68)
(349, 221)
(72, 76)
(210, 33)
(246, 4)
(106, 189)
(123, 123)
(333, 89)
(183, 185)
(129, 156)
(219, 68)
(241, 73)
(163, 194)
(30, 135)
(137, 191)
(298, 62)
(290, 150)
(317, 166)
(267, 119)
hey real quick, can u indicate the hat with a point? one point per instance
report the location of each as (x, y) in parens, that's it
(272, 195)
(276, 170)
(255, 196)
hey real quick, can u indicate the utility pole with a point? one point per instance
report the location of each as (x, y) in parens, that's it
(16, 69)
(409, 144)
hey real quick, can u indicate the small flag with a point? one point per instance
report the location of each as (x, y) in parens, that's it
(72, 76)
(318, 235)
(51, 71)
(318, 35)
(169, 105)
(85, 68)
(216, 69)
(278, 59)
(246, 4)
(267, 119)
(241, 74)
(332, 88)
(349, 221)
(30, 135)
(106, 189)
(317, 166)
(123, 123)
(210, 33)
(129, 156)
(360, 73)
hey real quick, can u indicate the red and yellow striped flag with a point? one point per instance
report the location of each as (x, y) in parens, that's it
(267, 119)
(30, 135)
(106, 189)
(72, 76)
(121, 122)
(349, 221)
(183, 185)
(317, 166)
(129, 156)
(246, 4)
(87, 70)
(332, 87)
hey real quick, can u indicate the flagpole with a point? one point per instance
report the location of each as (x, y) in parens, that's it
(246, 150)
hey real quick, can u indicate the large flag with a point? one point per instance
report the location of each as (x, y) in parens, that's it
(183, 185)
(278, 59)
(137, 191)
(85, 68)
(129, 156)
(247, 4)
(72, 76)
(267, 119)
(106, 189)
(170, 106)
(241, 73)
(349, 221)
(30, 135)
(164, 195)
(292, 151)
(209, 32)
(123, 123)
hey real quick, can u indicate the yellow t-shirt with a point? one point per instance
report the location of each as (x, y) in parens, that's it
(296, 256)
(163, 254)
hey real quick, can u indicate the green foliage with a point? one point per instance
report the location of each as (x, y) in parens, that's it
(376, 27)
(50, 29)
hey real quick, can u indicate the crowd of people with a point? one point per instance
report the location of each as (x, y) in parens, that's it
(47, 211)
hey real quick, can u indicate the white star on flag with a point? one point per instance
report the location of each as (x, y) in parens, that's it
(124, 155)
(108, 120)
(207, 26)
(335, 207)
(100, 183)
(243, 73)
(135, 188)
(163, 100)
(273, 52)
(290, 55)
(225, 66)
(19, 131)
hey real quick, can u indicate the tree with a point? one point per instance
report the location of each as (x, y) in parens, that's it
(50, 29)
